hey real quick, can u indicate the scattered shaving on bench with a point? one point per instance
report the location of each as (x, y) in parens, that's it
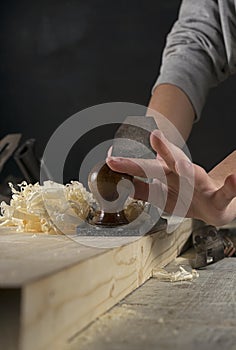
(180, 275)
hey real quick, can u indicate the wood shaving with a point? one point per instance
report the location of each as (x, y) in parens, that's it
(133, 208)
(180, 275)
(38, 208)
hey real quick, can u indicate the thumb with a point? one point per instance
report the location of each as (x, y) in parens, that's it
(155, 139)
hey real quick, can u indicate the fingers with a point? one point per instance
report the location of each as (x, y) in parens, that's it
(147, 168)
(159, 144)
(196, 175)
(109, 152)
(154, 193)
(168, 151)
(168, 155)
(226, 193)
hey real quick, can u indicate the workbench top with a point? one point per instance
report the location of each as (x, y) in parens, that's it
(164, 315)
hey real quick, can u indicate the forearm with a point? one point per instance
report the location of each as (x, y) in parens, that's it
(174, 105)
(198, 55)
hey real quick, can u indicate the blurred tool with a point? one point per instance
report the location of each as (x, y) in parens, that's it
(209, 246)
(27, 161)
(7, 147)
(25, 158)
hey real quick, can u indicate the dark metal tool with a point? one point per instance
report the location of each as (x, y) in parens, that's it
(7, 147)
(131, 140)
(87, 229)
(27, 161)
(228, 235)
(209, 246)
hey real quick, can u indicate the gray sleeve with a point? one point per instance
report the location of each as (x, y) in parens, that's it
(199, 49)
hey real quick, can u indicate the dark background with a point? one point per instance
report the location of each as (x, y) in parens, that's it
(58, 57)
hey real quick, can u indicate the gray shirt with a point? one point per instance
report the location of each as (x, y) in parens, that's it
(200, 50)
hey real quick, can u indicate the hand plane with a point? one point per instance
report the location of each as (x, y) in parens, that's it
(111, 189)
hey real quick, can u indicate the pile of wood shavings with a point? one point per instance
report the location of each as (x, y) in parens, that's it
(54, 208)
(38, 208)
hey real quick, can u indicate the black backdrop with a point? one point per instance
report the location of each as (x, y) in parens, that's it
(58, 57)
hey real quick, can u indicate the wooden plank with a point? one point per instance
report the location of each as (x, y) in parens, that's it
(65, 286)
(25, 257)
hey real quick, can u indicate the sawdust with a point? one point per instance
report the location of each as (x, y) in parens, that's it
(100, 330)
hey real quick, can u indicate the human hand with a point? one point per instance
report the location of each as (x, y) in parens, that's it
(202, 195)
